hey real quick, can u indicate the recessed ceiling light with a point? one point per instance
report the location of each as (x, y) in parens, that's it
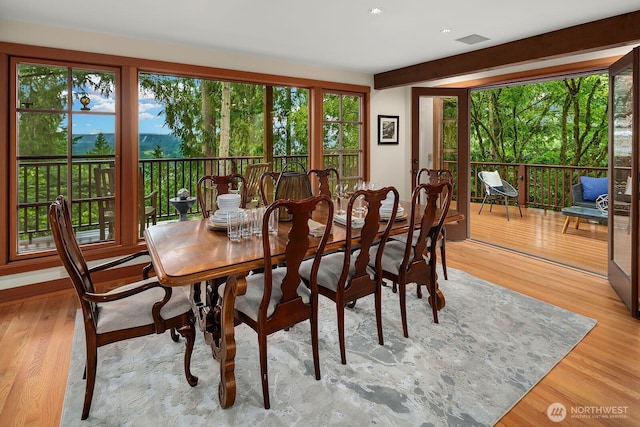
(445, 30)
(375, 11)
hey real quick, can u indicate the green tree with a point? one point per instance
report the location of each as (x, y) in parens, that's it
(101, 146)
(554, 122)
(157, 152)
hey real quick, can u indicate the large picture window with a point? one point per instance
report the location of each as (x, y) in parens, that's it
(119, 141)
(65, 135)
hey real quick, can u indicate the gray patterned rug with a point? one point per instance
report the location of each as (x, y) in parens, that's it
(491, 346)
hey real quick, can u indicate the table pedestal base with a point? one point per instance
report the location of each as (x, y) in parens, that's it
(216, 320)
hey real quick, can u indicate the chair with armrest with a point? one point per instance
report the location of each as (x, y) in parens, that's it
(345, 275)
(211, 186)
(497, 188)
(415, 261)
(129, 311)
(277, 298)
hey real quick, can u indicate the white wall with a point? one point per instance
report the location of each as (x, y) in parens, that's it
(389, 163)
(426, 132)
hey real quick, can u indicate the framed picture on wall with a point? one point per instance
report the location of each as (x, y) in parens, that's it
(388, 129)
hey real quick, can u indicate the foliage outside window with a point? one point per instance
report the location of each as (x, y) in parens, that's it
(57, 145)
(215, 127)
(561, 122)
(557, 129)
(342, 131)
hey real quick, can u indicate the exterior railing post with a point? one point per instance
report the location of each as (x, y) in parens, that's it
(523, 185)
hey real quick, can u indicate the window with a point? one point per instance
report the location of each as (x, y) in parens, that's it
(188, 121)
(343, 135)
(65, 132)
(189, 127)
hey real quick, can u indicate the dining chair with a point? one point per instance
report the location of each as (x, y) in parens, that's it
(497, 188)
(323, 176)
(210, 186)
(434, 176)
(129, 311)
(277, 298)
(345, 276)
(414, 261)
(267, 186)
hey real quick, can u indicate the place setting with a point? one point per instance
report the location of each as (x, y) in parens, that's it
(227, 203)
(386, 209)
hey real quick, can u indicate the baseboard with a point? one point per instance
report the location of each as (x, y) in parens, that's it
(103, 281)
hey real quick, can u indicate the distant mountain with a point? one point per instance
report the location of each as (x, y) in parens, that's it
(169, 144)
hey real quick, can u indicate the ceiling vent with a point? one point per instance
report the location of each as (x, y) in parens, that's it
(473, 39)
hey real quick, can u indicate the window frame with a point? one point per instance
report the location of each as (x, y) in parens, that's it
(127, 129)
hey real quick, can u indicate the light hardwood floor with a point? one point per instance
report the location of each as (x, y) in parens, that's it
(602, 371)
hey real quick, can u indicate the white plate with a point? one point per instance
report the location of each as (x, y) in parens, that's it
(384, 211)
(342, 220)
(220, 216)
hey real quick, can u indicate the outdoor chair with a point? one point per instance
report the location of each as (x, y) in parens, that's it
(497, 188)
(105, 192)
(415, 261)
(345, 275)
(129, 311)
(147, 205)
(252, 175)
(277, 298)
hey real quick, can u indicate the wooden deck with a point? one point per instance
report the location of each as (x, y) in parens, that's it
(539, 233)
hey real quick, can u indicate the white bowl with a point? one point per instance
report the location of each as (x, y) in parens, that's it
(389, 200)
(228, 202)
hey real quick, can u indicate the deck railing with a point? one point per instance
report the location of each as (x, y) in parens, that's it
(42, 179)
(539, 186)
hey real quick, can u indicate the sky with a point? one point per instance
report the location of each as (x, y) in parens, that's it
(150, 116)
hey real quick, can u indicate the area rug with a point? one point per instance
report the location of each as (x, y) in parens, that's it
(490, 348)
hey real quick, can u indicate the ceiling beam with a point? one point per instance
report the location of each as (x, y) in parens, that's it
(605, 33)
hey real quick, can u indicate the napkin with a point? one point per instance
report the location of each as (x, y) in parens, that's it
(316, 229)
(386, 210)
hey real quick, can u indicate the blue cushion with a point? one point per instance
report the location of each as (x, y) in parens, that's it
(593, 187)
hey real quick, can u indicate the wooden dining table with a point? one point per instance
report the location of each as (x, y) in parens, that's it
(188, 253)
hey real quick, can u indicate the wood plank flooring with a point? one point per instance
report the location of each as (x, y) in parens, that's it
(602, 371)
(539, 233)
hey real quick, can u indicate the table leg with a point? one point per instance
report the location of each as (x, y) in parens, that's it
(216, 321)
(566, 224)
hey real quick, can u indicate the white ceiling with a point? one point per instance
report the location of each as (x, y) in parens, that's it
(339, 34)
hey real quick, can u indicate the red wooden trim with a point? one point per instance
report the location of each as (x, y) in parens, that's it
(605, 33)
